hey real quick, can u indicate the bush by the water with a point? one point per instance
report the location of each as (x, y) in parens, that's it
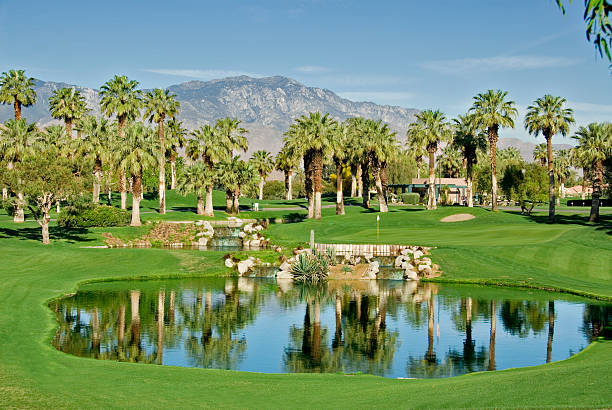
(90, 215)
(410, 198)
(312, 267)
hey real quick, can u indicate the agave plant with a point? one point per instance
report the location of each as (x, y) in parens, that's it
(312, 267)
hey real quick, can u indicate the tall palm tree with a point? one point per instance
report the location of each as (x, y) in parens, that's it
(263, 164)
(17, 141)
(294, 142)
(175, 139)
(233, 135)
(207, 145)
(160, 104)
(451, 161)
(549, 117)
(96, 145)
(287, 161)
(357, 127)
(340, 145)
(417, 152)
(120, 97)
(429, 129)
(562, 170)
(470, 138)
(67, 104)
(509, 155)
(577, 160)
(379, 146)
(196, 179)
(594, 147)
(539, 154)
(17, 89)
(493, 111)
(136, 155)
(236, 175)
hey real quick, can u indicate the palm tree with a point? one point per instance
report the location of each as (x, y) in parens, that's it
(67, 104)
(175, 139)
(470, 139)
(429, 129)
(539, 154)
(417, 152)
(294, 142)
(17, 89)
(509, 155)
(120, 97)
(17, 141)
(340, 143)
(262, 163)
(357, 128)
(232, 134)
(195, 180)
(159, 105)
(562, 170)
(208, 146)
(451, 161)
(236, 175)
(579, 161)
(594, 147)
(493, 111)
(96, 145)
(136, 155)
(287, 161)
(549, 117)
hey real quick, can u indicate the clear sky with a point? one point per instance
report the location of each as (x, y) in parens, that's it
(417, 54)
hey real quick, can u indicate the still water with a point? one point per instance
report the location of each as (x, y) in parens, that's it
(387, 328)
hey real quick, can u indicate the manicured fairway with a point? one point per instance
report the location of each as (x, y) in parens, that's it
(493, 247)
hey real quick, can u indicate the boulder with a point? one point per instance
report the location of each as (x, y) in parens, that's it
(406, 252)
(368, 257)
(229, 263)
(278, 249)
(243, 267)
(405, 265)
(255, 243)
(417, 254)
(411, 275)
(400, 260)
(248, 228)
(283, 274)
(202, 241)
(373, 269)
(426, 261)
(258, 228)
(425, 269)
(242, 234)
(285, 266)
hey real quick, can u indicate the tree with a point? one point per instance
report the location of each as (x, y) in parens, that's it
(540, 155)
(470, 138)
(562, 170)
(287, 161)
(493, 111)
(175, 139)
(43, 178)
(67, 104)
(17, 89)
(17, 141)
(120, 97)
(263, 164)
(294, 142)
(429, 129)
(236, 175)
(159, 105)
(340, 144)
(509, 156)
(96, 146)
(451, 162)
(195, 180)
(233, 137)
(136, 155)
(549, 117)
(594, 147)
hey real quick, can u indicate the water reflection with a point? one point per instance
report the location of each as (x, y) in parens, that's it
(389, 328)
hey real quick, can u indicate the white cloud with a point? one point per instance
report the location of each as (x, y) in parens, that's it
(499, 63)
(381, 97)
(590, 108)
(200, 74)
(312, 69)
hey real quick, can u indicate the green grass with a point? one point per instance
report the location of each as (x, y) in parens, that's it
(493, 248)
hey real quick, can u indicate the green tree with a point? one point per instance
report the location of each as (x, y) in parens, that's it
(120, 97)
(136, 155)
(17, 89)
(96, 146)
(451, 162)
(287, 161)
(175, 139)
(594, 147)
(428, 131)
(68, 105)
(195, 180)
(17, 141)
(493, 111)
(539, 154)
(340, 148)
(236, 175)
(469, 137)
(562, 170)
(549, 117)
(159, 105)
(263, 164)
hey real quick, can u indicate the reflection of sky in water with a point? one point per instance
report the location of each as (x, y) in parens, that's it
(268, 335)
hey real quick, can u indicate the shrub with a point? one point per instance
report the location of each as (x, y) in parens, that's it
(411, 198)
(85, 216)
(312, 267)
(274, 190)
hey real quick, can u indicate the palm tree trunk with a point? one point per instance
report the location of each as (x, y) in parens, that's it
(339, 193)
(200, 206)
(136, 191)
(68, 122)
(431, 189)
(353, 181)
(17, 107)
(121, 325)
(160, 326)
(162, 166)
(551, 330)
(19, 216)
(229, 202)
(359, 178)
(260, 186)
(316, 336)
(492, 337)
(469, 171)
(44, 224)
(562, 188)
(584, 175)
(209, 211)
(551, 178)
(308, 185)
(419, 161)
(122, 120)
(317, 176)
(135, 325)
(430, 356)
(97, 180)
(289, 184)
(171, 307)
(365, 185)
(4, 194)
(173, 171)
(338, 335)
(236, 202)
(597, 185)
(382, 205)
(492, 133)
(95, 332)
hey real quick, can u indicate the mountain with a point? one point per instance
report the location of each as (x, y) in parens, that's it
(526, 148)
(266, 106)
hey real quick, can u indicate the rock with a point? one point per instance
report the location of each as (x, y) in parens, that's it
(243, 267)
(285, 266)
(400, 260)
(202, 241)
(229, 263)
(242, 234)
(425, 269)
(426, 261)
(278, 249)
(258, 228)
(405, 265)
(406, 252)
(246, 243)
(417, 254)
(368, 257)
(373, 269)
(255, 243)
(248, 228)
(411, 275)
(283, 274)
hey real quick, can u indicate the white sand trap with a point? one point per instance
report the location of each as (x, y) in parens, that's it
(457, 218)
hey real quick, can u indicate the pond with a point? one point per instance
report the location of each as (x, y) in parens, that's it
(387, 328)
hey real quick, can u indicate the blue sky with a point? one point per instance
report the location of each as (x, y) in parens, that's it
(419, 54)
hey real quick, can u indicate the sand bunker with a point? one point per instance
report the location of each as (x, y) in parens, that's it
(457, 218)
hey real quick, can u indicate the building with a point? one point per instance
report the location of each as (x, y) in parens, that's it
(457, 188)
